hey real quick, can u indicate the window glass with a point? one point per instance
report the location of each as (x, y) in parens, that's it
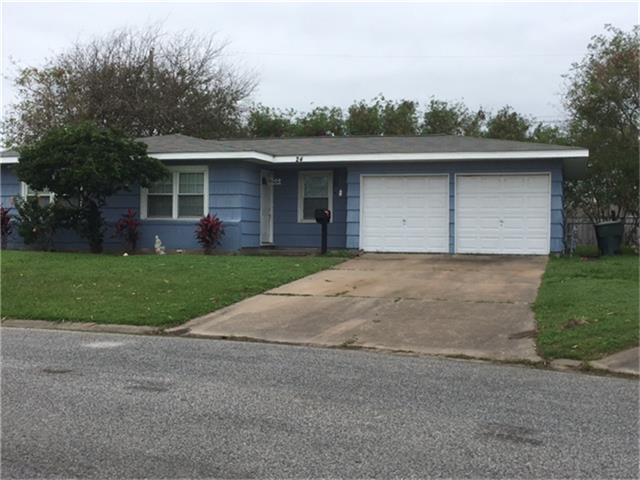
(163, 186)
(184, 188)
(190, 205)
(315, 193)
(44, 201)
(316, 186)
(191, 183)
(44, 196)
(310, 205)
(159, 206)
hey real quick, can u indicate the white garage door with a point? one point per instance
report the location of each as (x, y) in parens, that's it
(405, 214)
(503, 214)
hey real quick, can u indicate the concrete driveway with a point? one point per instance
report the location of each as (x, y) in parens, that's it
(436, 304)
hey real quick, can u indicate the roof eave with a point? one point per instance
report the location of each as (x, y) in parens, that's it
(574, 160)
(8, 160)
(431, 157)
(261, 157)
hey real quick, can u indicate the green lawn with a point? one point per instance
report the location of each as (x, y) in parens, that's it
(139, 289)
(588, 307)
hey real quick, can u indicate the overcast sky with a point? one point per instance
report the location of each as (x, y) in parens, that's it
(488, 55)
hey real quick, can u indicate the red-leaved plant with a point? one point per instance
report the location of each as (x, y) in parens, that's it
(6, 225)
(208, 232)
(127, 229)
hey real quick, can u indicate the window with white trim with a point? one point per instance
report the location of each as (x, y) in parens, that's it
(315, 190)
(181, 195)
(44, 197)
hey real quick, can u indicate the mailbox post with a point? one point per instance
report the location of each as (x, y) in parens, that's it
(323, 216)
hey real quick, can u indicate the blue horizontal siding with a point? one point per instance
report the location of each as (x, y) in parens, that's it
(288, 232)
(9, 186)
(234, 196)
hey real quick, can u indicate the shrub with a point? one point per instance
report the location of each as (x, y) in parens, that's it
(6, 225)
(208, 232)
(127, 229)
(84, 165)
(37, 223)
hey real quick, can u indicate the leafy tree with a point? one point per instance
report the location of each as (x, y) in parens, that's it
(265, 121)
(366, 119)
(451, 119)
(83, 165)
(544, 133)
(507, 124)
(382, 116)
(140, 82)
(320, 121)
(400, 118)
(603, 101)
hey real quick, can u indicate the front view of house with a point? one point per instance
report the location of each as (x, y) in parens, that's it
(436, 193)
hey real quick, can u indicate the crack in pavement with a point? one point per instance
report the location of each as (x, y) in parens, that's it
(394, 298)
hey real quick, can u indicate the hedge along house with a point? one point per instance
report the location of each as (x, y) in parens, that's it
(437, 193)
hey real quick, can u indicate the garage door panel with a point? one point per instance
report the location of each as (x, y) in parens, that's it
(502, 213)
(428, 202)
(536, 202)
(515, 246)
(385, 202)
(513, 201)
(488, 200)
(513, 224)
(405, 214)
(537, 224)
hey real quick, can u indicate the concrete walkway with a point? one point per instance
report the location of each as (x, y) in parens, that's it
(477, 306)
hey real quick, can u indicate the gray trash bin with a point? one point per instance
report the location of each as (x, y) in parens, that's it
(609, 235)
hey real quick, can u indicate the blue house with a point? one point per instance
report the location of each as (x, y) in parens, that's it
(436, 193)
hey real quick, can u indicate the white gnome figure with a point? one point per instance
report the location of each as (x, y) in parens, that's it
(158, 247)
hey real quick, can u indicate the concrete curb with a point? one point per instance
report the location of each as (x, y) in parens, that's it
(624, 372)
(595, 366)
(187, 333)
(566, 364)
(560, 365)
(81, 327)
(624, 362)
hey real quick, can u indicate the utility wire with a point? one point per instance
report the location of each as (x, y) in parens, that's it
(349, 55)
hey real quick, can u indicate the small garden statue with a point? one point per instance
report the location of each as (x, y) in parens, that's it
(158, 247)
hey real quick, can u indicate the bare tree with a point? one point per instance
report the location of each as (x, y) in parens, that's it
(140, 82)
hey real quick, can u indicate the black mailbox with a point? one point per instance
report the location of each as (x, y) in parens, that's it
(323, 217)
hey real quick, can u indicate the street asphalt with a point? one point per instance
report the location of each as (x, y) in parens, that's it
(89, 405)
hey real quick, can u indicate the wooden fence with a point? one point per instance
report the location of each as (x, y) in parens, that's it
(585, 233)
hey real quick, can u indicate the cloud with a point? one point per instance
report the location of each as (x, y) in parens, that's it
(332, 54)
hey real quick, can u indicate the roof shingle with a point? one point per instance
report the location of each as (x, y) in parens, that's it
(289, 146)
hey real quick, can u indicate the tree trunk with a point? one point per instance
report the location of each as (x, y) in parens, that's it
(94, 224)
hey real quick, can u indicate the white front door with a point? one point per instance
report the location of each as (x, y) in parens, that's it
(266, 207)
(503, 214)
(405, 213)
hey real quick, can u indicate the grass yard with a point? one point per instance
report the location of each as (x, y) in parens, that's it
(139, 289)
(588, 307)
